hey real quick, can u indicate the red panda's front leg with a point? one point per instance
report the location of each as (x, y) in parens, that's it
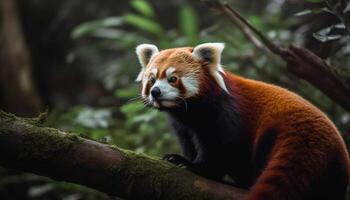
(185, 138)
(212, 170)
(200, 158)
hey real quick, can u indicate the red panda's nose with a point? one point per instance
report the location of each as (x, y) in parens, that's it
(155, 92)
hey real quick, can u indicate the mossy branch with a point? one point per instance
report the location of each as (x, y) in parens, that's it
(28, 146)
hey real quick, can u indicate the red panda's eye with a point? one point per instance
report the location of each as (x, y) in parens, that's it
(172, 79)
(152, 79)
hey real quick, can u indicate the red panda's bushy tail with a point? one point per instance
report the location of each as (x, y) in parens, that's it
(300, 171)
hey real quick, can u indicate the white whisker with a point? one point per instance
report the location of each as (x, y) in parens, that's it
(146, 102)
(135, 98)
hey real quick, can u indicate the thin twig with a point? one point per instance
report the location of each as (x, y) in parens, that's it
(251, 33)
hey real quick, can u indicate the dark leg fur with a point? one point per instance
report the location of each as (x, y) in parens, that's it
(203, 169)
(185, 138)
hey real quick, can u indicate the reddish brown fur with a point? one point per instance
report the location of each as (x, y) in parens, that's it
(170, 58)
(308, 157)
(308, 148)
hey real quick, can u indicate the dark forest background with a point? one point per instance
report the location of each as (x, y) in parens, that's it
(76, 60)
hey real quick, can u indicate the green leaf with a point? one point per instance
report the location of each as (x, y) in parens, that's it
(313, 11)
(302, 13)
(189, 24)
(110, 21)
(109, 33)
(143, 23)
(323, 34)
(146, 117)
(326, 9)
(333, 37)
(340, 26)
(131, 108)
(91, 26)
(347, 8)
(82, 30)
(143, 7)
(126, 93)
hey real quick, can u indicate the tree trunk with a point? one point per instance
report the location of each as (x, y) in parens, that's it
(17, 91)
(26, 145)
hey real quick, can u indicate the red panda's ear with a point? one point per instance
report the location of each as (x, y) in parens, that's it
(145, 52)
(209, 53)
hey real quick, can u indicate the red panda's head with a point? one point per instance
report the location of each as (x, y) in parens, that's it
(171, 76)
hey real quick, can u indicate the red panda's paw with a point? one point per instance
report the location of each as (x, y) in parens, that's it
(177, 160)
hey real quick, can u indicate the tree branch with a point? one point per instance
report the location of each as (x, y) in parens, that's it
(28, 146)
(300, 61)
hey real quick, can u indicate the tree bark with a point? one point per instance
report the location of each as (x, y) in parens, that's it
(17, 90)
(28, 146)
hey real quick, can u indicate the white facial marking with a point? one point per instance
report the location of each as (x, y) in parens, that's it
(154, 71)
(144, 83)
(168, 92)
(169, 71)
(191, 85)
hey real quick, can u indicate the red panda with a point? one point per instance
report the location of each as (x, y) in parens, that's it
(266, 138)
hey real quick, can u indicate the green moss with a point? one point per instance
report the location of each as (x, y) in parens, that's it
(45, 143)
(36, 121)
(38, 142)
(7, 116)
(160, 178)
(83, 135)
